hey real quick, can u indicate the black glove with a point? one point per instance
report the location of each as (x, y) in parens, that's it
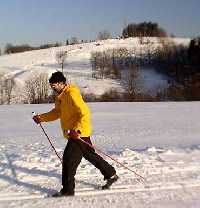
(37, 119)
(74, 134)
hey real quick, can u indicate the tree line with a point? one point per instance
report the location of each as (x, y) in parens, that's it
(144, 29)
(9, 48)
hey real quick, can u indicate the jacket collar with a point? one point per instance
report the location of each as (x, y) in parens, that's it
(66, 88)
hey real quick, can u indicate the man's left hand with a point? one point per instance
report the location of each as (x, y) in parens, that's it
(37, 119)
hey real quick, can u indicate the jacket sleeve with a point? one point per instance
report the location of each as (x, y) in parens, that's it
(51, 115)
(81, 109)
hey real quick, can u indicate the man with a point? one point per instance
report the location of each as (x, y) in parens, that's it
(75, 121)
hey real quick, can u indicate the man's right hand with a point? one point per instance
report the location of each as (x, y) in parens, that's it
(37, 119)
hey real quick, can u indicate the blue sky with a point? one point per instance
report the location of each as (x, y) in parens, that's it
(41, 21)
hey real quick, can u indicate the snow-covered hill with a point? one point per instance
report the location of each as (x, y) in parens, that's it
(78, 66)
(160, 141)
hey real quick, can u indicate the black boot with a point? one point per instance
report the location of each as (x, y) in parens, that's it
(63, 193)
(110, 181)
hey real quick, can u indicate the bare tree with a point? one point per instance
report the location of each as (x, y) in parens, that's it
(104, 35)
(98, 60)
(9, 85)
(133, 73)
(74, 40)
(93, 61)
(6, 88)
(1, 88)
(30, 90)
(43, 87)
(36, 88)
(61, 57)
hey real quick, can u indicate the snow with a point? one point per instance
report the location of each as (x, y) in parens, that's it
(160, 141)
(21, 66)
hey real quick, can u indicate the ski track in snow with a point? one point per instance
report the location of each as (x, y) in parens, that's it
(32, 176)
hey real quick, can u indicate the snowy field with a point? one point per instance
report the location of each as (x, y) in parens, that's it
(160, 141)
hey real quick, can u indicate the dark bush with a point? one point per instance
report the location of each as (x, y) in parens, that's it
(17, 49)
(194, 51)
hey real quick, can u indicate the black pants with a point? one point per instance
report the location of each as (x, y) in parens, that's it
(72, 156)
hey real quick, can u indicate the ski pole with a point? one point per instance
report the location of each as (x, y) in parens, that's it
(98, 150)
(49, 140)
(103, 153)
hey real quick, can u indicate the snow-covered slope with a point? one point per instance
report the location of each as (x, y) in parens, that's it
(160, 141)
(78, 66)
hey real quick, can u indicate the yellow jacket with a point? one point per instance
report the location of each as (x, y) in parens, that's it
(73, 112)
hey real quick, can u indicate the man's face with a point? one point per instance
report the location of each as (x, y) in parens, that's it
(57, 87)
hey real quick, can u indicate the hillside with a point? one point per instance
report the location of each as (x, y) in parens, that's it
(78, 67)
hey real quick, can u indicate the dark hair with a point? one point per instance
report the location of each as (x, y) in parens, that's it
(57, 77)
